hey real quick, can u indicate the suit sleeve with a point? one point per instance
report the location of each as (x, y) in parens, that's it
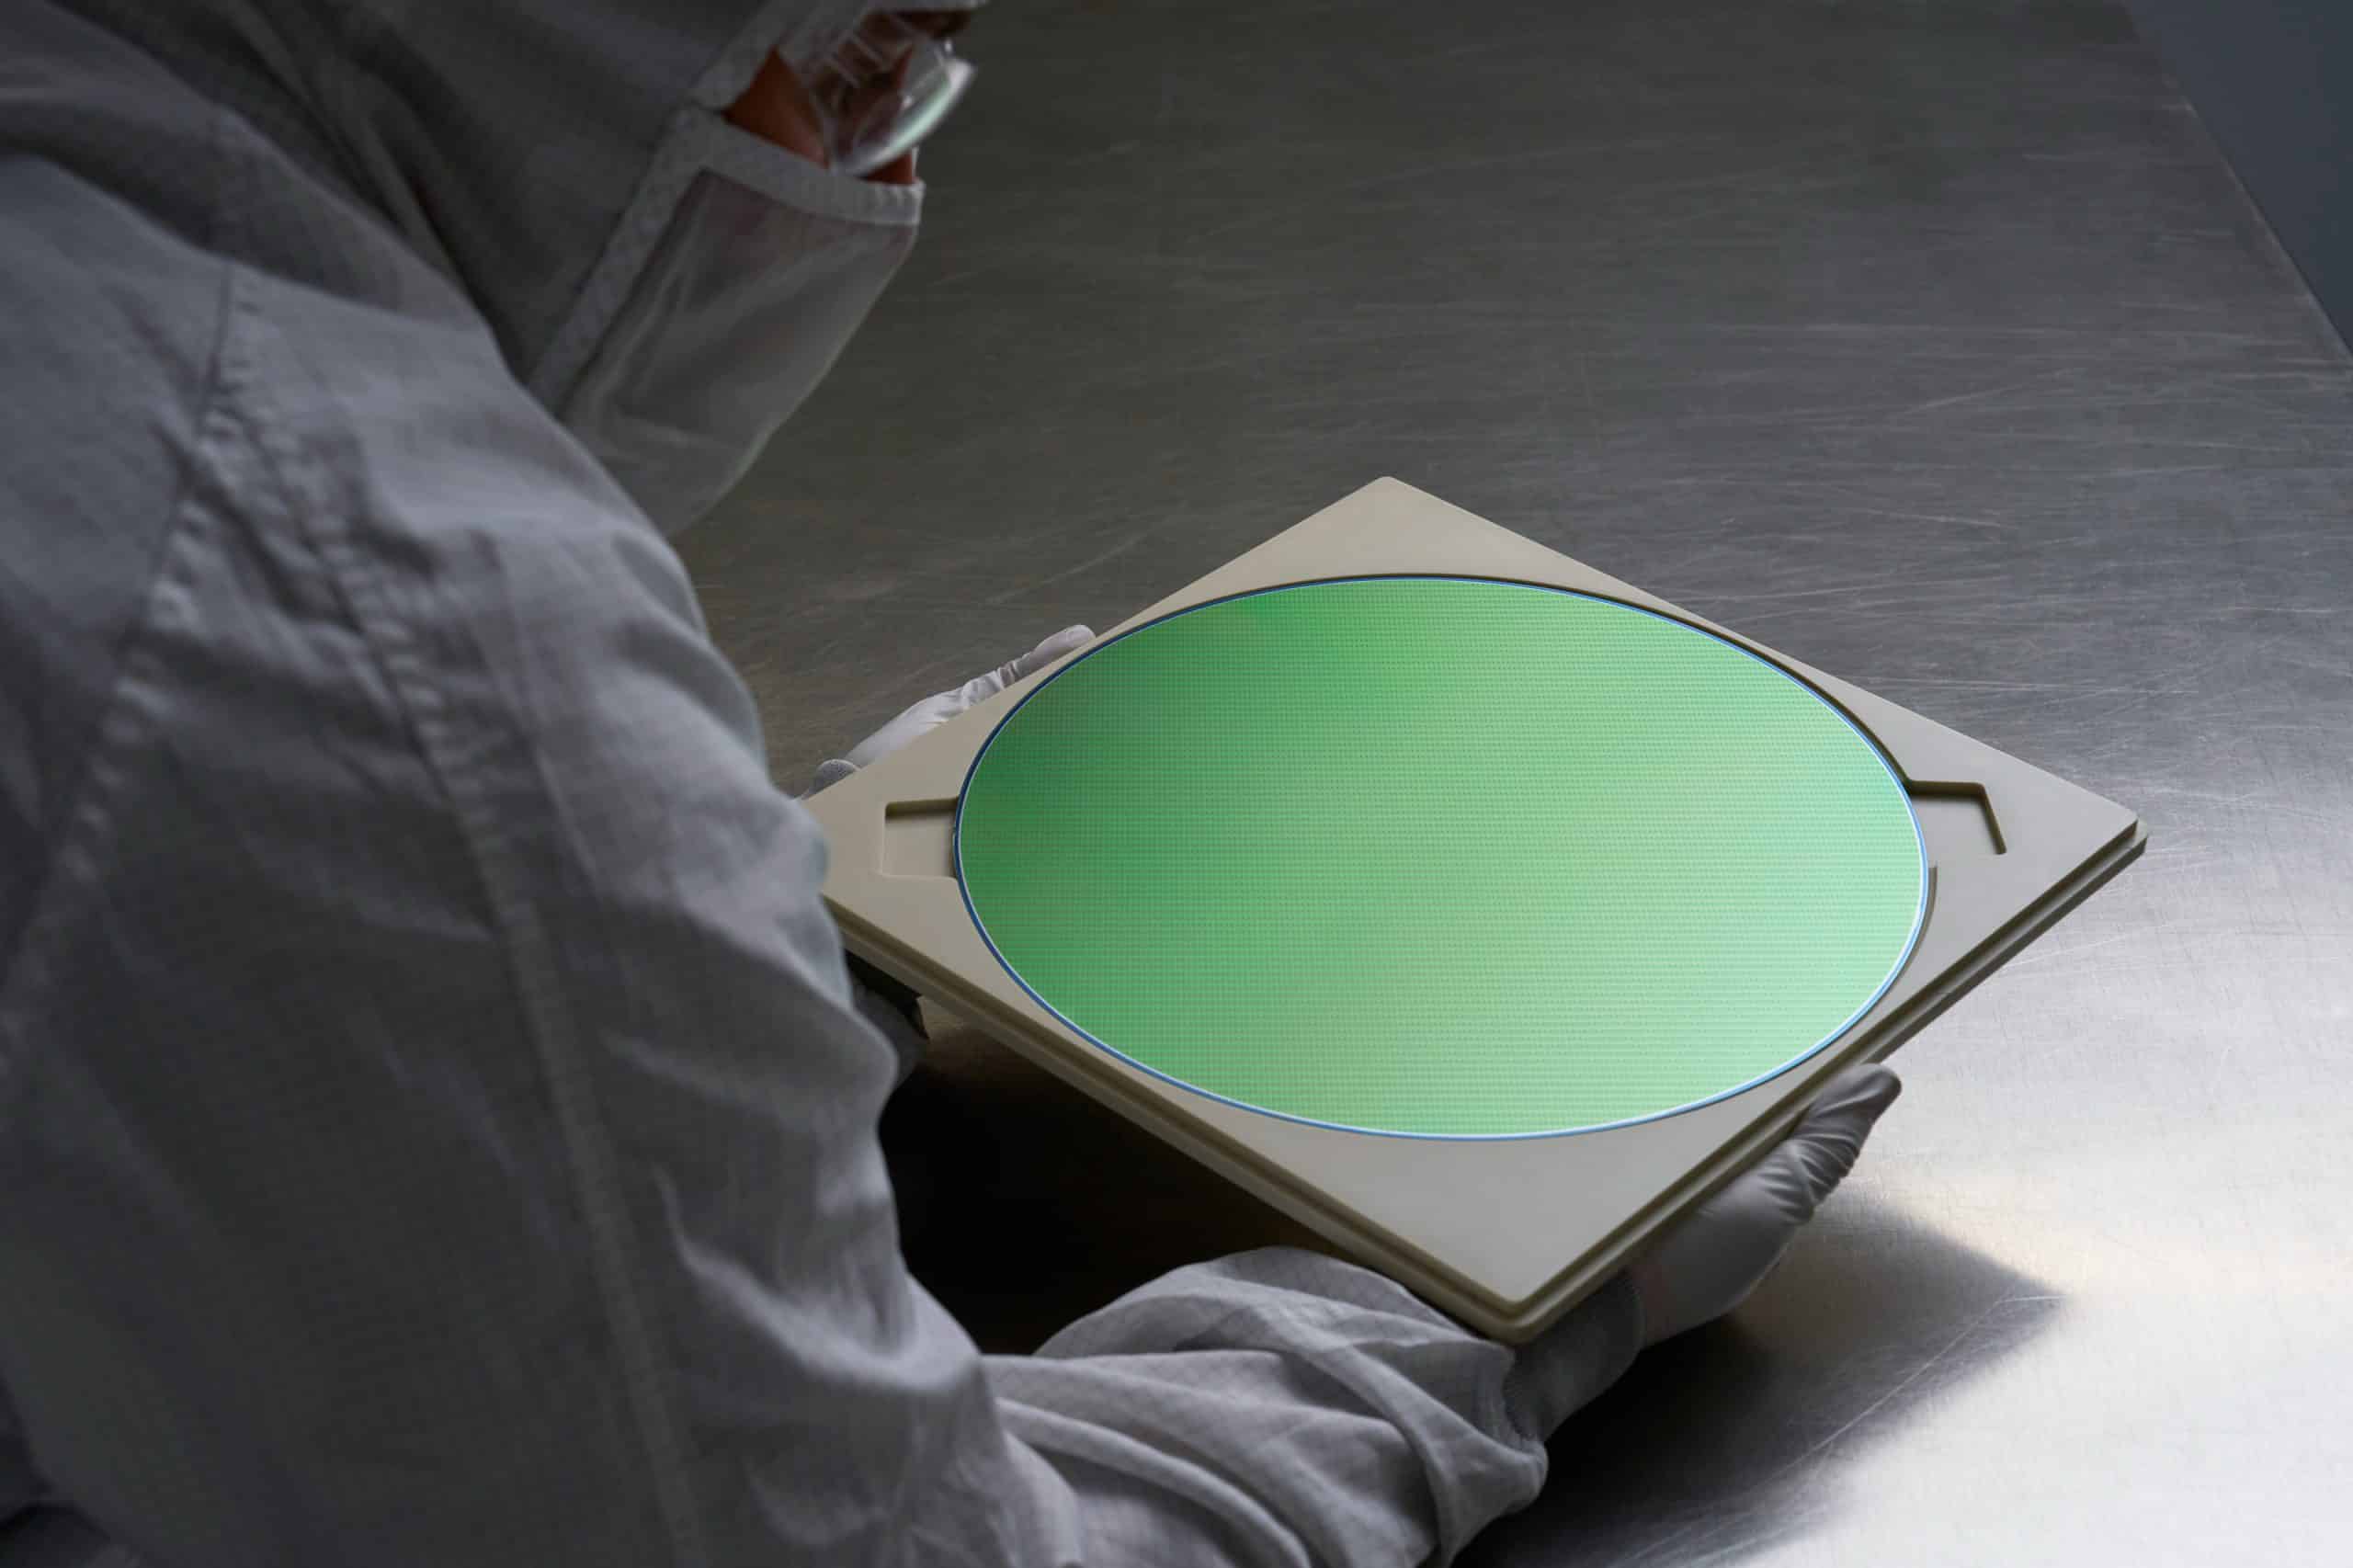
(454, 1139)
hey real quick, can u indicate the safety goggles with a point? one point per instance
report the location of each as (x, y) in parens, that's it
(887, 85)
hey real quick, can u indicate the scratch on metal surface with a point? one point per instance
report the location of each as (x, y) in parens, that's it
(1088, 564)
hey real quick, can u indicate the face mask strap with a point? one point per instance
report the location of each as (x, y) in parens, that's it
(690, 144)
(626, 249)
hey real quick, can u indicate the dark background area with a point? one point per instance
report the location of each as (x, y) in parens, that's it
(2273, 81)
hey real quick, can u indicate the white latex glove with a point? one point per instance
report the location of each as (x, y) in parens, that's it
(1713, 1257)
(934, 711)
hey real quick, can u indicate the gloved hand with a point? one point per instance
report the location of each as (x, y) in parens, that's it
(1709, 1261)
(937, 710)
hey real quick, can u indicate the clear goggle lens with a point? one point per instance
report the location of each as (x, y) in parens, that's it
(885, 88)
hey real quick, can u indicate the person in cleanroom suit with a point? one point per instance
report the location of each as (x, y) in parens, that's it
(437, 1117)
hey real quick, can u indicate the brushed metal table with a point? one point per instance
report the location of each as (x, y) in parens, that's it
(1935, 345)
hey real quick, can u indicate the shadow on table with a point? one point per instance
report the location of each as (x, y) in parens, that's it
(1023, 1204)
(1026, 1204)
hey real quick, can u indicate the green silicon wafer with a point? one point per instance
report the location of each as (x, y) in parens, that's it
(1441, 856)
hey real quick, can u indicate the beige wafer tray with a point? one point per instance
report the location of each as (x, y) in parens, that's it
(1480, 911)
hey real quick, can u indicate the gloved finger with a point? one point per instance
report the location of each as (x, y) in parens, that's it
(980, 688)
(830, 772)
(1812, 1160)
(1070, 638)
